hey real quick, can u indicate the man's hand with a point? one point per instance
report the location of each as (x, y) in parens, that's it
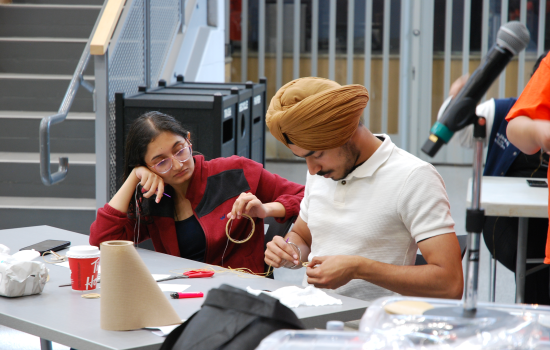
(331, 271)
(281, 254)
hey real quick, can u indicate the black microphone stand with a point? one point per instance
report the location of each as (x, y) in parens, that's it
(475, 219)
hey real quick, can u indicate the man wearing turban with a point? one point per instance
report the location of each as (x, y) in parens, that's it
(368, 205)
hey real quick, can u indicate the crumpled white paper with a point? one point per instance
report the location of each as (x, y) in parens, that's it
(293, 296)
(19, 275)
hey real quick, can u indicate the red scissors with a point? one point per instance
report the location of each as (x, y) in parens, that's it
(190, 274)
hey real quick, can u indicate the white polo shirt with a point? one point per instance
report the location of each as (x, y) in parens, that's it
(379, 211)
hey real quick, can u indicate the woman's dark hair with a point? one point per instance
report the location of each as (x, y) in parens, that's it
(537, 63)
(142, 131)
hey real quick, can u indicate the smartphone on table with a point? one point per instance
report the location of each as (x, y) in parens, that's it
(47, 245)
(537, 183)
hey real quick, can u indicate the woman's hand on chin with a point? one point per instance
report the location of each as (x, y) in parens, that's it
(150, 182)
(248, 204)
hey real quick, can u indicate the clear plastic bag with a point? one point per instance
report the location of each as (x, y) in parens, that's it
(518, 326)
(314, 339)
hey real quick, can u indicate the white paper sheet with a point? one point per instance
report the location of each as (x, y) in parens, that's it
(64, 264)
(293, 296)
(168, 287)
(164, 331)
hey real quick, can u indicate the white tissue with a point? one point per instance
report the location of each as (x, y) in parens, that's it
(4, 252)
(26, 255)
(293, 296)
(19, 275)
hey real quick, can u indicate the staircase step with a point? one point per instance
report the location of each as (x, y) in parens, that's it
(66, 213)
(40, 20)
(45, 203)
(42, 55)
(21, 176)
(60, 2)
(20, 132)
(34, 158)
(34, 92)
(41, 42)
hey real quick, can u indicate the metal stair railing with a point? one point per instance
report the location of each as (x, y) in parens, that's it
(134, 55)
(77, 80)
(121, 43)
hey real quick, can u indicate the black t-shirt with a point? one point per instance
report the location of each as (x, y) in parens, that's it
(528, 166)
(191, 239)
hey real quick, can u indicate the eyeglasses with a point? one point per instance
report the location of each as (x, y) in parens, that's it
(181, 156)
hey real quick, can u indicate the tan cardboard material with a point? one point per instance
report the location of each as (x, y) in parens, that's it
(408, 307)
(130, 296)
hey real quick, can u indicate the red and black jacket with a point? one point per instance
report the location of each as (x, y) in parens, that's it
(214, 187)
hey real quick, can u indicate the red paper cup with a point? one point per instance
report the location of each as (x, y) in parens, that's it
(84, 264)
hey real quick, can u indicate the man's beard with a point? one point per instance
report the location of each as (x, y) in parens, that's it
(351, 154)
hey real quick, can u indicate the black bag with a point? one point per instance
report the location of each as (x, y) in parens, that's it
(232, 318)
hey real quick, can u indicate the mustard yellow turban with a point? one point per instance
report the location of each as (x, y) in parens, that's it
(315, 113)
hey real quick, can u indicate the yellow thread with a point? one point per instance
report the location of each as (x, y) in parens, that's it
(244, 269)
(297, 249)
(247, 273)
(59, 258)
(90, 296)
(244, 240)
(242, 272)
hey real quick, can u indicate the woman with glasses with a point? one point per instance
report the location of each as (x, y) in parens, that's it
(182, 202)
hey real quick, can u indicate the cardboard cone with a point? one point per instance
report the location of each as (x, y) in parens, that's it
(130, 296)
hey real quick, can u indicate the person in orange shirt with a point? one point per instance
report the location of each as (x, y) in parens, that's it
(529, 119)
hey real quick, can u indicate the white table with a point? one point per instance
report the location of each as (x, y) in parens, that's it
(62, 316)
(511, 196)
